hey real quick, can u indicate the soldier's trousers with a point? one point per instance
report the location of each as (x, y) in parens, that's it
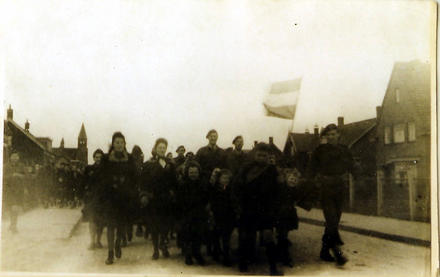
(332, 200)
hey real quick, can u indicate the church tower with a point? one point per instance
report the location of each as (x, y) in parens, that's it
(82, 151)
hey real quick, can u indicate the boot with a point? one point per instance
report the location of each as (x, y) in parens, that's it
(325, 254)
(118, 252)
(165, 251)
(139, 231)
(109, 260)
(340, 259)
(274, 270)
(155, 255)
(188, 260)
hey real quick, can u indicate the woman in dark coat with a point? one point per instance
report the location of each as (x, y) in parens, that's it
(91, 182)
(157, 192)
(114, 198)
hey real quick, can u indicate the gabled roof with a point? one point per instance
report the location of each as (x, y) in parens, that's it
(13, 124)
(352, 132)
(304, 142)
(66, 152)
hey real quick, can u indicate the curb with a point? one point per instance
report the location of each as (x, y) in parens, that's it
(371, 233)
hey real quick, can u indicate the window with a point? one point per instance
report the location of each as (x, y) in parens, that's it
(397, 93)
(399, 133)
(411, 131)
(387, 135)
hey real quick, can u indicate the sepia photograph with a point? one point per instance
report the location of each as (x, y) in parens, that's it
(219, 137)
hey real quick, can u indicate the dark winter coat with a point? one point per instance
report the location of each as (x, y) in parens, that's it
(115, 200)
(159, 185)
(222, 207)
(257, 194)
(288, 218)
(90, 185)
(192, 202)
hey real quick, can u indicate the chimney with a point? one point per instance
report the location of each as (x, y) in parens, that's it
(10, 113)
(270, 140)
(378, 111)
(340, 121)
(316, 130)
(255, 143)
(26, 126)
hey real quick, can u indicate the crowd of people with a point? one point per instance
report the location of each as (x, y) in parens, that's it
(200, 199)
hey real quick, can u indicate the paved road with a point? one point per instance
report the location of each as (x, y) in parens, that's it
(42, 245)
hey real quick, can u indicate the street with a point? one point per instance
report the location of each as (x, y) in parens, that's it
(43, 244)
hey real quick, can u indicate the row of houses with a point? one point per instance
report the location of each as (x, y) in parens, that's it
(392, 150)
(39, 150)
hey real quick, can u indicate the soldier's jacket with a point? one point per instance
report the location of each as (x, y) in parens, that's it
(330, 160)
(210, 158)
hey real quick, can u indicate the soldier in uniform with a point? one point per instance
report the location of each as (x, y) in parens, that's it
(329, 166)
(180, 159)
(236, 157)
(257, 193)
(210, 156)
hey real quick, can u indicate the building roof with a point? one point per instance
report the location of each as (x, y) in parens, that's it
(82, 132)
(352, 132)
(304, 142)
(14, 124)
(66, 152)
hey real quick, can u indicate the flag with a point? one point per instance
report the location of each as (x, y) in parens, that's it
(283, 99)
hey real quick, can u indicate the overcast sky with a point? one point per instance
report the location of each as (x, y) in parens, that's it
(176, 69)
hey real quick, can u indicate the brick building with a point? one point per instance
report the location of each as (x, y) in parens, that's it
(403, 149)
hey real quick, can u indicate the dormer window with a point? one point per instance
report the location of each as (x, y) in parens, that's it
(397, 94)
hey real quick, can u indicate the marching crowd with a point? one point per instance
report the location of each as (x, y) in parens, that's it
(200, 199)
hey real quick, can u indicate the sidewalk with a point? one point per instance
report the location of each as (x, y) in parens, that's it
(410, 232)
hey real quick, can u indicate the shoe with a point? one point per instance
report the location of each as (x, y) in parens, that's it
(188, 260)
(243, 267)
(155, 255)
(227, 262)
(340, 259)
(274, 271)
(92, 246)
(109, 260)
(98, 245)
(139, 232)
(200, 260)
(118, 252)
(325, 255)
(165, 252)
(124, 242)
(288, 262)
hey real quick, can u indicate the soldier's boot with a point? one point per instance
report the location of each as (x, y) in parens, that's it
(340, 259)
(110, 258)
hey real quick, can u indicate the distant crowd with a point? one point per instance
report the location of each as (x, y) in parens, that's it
(196, 199)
